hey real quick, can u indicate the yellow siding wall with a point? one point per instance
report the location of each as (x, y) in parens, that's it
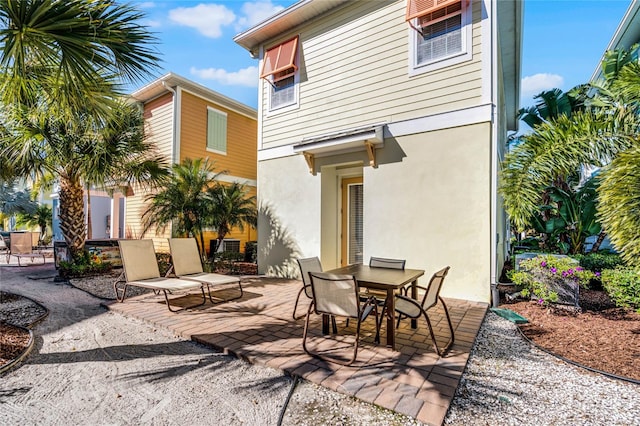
(241, 158)
(158, 122)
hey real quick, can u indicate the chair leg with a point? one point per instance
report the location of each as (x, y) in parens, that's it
(295, 307)
(446, 312)
(166, 298)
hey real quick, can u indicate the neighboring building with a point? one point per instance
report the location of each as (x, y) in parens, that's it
(187, 120)
(382, 125)
(627, 34)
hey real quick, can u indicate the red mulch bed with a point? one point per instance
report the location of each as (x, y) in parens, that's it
(602, 336)
(13, 341)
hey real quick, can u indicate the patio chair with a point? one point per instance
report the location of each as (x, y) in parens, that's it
(186, 265)
(309, 264)
(407, 307)
(382, 262)
(22, 247)
(4, 248)
(337, 295)
(140, 269)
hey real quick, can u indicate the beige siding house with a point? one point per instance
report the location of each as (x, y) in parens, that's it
(381, 129)
(187, 120)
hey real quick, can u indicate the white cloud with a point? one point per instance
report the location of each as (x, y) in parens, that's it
(146, 5)
(255, 12)
(534, 84)
(245, 77)
(151, 23)
(208, 19)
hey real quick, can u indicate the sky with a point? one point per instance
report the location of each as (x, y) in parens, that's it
(562, 44)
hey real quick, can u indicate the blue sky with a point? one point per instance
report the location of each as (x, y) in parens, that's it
(563, 41)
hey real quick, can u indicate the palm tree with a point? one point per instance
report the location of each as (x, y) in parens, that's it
(110, 151)
(12, 201)
(231, 208)
(605, 135)
(63, 64)
(41, 218)
(183, 202)
(550, 105)
(71, 54)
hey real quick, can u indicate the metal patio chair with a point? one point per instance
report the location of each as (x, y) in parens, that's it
(407, 307)
(338, 295)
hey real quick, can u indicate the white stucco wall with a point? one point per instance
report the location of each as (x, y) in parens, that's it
(289, 215)
(433, 207)
(427, 202)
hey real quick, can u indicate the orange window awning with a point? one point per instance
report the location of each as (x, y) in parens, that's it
(426, 8)
(280, 58)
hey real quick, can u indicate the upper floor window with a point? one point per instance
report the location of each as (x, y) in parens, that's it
(280, 71)
(216, 131)
(442, 32)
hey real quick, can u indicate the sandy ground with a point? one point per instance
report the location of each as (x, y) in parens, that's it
(93, 367)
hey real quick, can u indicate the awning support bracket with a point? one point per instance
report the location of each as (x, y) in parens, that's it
(371, 152)
(309, 158)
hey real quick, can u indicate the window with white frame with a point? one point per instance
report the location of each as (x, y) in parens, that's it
(216, 131)
(279, 70)
(440, 32)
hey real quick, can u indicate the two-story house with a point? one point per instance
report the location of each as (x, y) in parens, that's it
(381, 129)
(187, 120)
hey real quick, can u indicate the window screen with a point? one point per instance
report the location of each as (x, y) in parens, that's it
(439, 40)
(283, 92)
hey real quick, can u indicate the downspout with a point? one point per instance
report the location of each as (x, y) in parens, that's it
(495, 300)
(175, 139)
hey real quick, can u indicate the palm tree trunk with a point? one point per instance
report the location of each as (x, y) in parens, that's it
(596, 246)
(72, 222)
(89, 226)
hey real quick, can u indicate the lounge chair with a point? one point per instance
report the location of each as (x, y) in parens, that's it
(407, 307)
(4, 248)
(22, 247)
(186, 265)
(337, 295)
(140, 269)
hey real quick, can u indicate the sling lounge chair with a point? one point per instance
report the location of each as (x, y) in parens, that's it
(186, 264)
(140, 269)
(22, 247)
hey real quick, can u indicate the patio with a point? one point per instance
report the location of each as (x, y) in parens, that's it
(259, 328)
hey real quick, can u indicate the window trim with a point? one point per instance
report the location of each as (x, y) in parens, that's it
(464, 55)
(226, 142)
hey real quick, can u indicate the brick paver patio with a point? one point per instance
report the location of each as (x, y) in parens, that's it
(259, 328)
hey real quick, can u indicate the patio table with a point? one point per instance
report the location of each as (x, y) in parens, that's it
(389, 280)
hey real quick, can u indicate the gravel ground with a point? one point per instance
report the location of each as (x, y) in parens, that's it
(509, 382)
(97, 367)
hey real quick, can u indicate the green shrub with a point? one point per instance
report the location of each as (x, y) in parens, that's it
(537, 273)
(598, 262)
(84, 264)
(251, 251)
(623, 286)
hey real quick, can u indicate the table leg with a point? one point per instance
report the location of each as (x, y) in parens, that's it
(391, 319)
(325, 324)
(414, 296)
